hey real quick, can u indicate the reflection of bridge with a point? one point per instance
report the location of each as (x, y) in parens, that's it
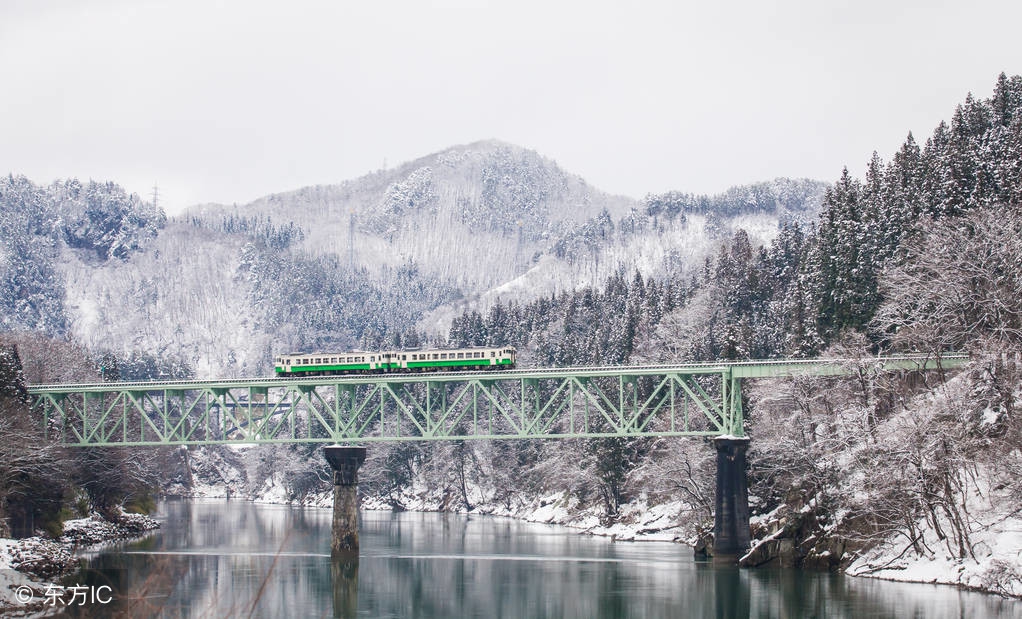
(703, 399)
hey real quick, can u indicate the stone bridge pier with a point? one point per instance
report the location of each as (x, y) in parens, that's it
(731, 534)
(345, 462)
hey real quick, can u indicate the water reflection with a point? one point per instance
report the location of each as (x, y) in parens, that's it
(344, 575)
(238, 559)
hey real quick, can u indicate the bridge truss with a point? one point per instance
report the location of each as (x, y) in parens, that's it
(582, 402)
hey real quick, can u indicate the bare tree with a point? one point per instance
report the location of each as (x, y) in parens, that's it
(958, 283)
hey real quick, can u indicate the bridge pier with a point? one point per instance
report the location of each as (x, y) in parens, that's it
(731, 534)
(345, 462)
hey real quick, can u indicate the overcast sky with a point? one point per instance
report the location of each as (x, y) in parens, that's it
(229, 101)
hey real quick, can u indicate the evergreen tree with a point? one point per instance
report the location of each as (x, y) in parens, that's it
(12, 375)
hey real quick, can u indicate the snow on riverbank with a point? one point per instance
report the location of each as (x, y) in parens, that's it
(996, 539)
(28, 565)
(636, 520)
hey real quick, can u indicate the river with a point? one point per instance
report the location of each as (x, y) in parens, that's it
(238, 559)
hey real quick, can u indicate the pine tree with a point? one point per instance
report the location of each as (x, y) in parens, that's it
(12, 375)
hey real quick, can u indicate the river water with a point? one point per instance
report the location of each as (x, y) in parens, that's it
(237, 559)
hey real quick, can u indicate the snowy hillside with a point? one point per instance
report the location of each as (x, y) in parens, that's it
(220, 290)
(474, 214)
(497, 221)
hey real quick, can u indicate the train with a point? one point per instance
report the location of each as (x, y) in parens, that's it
(387, 361)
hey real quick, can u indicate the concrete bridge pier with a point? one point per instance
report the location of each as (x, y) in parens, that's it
(731, 534)
(345, 462)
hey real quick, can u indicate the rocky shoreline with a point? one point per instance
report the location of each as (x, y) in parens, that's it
(29, 565)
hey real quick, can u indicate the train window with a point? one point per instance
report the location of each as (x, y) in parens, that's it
(443, 355)
(493, 354)
(404, 357)
(461, 355)
(435, 356)
(372, 358)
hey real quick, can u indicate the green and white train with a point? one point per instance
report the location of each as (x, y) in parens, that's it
(361, 362)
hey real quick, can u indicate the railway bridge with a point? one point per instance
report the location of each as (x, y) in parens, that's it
(347, 412)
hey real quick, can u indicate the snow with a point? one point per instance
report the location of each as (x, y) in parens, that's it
(273, 490)
(990, 417)
(651, 254)
(997, 544)
(52, 557)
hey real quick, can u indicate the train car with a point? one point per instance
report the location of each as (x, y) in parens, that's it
(361, 362)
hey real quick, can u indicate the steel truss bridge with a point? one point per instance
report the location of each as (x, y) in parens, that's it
(701, 399)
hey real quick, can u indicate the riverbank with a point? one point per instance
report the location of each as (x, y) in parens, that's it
(636, 520)
(28, 566)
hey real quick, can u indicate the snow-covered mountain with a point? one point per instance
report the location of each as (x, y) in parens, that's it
(497, 221)
(220, 289)
(476, 215)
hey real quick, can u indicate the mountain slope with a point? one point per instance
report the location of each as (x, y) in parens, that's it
(474, 214)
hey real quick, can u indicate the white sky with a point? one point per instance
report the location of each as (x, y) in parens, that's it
(229, 101)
